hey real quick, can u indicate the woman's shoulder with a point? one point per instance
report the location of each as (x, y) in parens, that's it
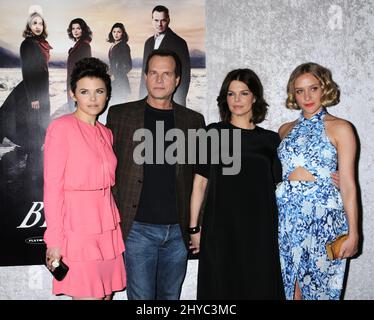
(103, 128)
(61, 127)
(28, 42)
(267, 131)
(285, 128)
(337, 125)
(122, 46)
(329, 118)
(81, 45)
(216, 125)
(269, 135)
(85, 44)
(61, 123)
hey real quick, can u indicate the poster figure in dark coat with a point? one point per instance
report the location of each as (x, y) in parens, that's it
(81, 34)
(120, 63)
(165, 38)
(25, 114)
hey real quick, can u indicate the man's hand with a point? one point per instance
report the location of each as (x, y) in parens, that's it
(35, 104)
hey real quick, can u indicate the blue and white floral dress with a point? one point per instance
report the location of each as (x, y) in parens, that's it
(311, 213)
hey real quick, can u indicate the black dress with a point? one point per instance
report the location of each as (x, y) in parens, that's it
(239, 248)
(120, 65)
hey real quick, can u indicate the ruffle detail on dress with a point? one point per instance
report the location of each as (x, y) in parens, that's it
(90, 247)
(92, 278)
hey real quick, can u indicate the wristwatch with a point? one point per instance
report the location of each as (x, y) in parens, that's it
(194, 230)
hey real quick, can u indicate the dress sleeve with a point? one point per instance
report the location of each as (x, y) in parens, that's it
(30, 60)
(277, 166)
(186, 66)
(86, 51)
(111, 137)
(109, 123)
(127, 62)
(111, 127)
(55, 159)
(203, 168)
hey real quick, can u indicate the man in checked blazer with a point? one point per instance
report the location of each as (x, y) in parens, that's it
(154, 198)
(165, 38)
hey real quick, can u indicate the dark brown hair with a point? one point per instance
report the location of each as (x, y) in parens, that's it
(92, 68)
(161, 9)
(247, 76)
(125, 36)
(86, 31)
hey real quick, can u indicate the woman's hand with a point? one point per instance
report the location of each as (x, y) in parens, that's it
(52, 254)
(35, 104)
(349, 247)
(195, 242)
(336, 179)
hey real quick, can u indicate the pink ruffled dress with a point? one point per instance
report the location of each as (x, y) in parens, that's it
(81, 215)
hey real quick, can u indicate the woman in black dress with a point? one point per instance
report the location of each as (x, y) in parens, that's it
(120, 63)
(25, 114)
(239, 249)
(81, 34)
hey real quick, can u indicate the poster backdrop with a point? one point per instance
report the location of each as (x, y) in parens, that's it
(22, 223)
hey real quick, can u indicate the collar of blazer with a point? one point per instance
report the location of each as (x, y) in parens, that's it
(78, 44)
(168, 33)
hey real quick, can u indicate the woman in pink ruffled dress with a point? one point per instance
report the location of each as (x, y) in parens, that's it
(83, 222)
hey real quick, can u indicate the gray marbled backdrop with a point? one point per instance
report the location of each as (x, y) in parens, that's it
(272, 38)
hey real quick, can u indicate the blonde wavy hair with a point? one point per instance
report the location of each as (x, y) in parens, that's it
(330, 89)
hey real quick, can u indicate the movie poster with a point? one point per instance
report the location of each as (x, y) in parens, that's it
(23, 124)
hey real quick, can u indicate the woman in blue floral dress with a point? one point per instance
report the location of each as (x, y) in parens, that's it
(312, 212)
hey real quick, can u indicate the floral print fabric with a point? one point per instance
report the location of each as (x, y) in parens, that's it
(311, 213)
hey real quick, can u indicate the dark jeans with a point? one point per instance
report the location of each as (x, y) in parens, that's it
(156, 262)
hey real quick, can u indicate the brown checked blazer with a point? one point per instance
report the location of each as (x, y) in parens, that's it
(124, 120)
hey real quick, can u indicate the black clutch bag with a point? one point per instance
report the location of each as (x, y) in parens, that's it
(60, 270)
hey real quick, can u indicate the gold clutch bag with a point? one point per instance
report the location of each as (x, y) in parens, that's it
(333, 247)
